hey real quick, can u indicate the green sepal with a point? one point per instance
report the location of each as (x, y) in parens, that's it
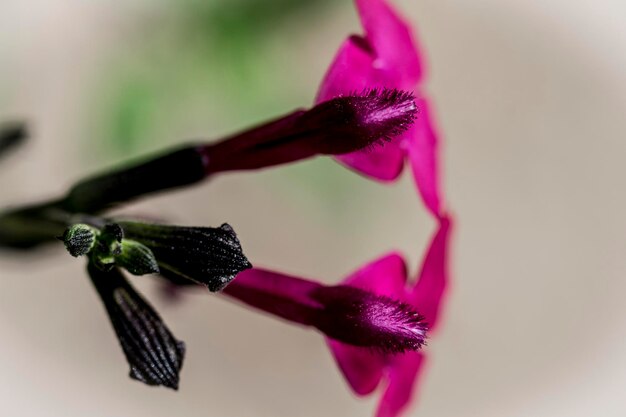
(137, 258)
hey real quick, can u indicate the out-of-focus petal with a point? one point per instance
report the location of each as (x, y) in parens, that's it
(424, 157)
(383, 163)
(431, 285)
(363, 368)
(391, 40)
(386, 275)
(350, 72)
(402, 377)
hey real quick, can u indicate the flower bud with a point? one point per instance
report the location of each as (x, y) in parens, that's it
(207, 255)
(348, 314)
(136, 258)
(154, 355)
(79, 239)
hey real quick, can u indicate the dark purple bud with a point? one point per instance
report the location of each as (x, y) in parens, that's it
(207, 255)
(347, 314)
(155, 356)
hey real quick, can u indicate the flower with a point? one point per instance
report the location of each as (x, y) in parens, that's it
(375, 321)
(387, 276)
(376, 307)
(352, 315)
(387, 57)
(337, 126)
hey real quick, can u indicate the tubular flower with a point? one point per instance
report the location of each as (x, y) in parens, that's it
(363, 369)
(337, 126)
(386, 56)
(352, 315)
(375, 321)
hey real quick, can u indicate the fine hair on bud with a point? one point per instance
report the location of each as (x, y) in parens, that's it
(360, 318)
(363, 120)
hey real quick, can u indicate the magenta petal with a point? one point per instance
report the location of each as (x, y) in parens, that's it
(383, 163)
(423, 156)
(386, 275)
(362, 368)
(350, 72)
(390, 37)
(403, 375)
(430, 288)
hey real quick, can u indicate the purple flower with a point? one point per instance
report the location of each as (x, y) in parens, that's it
(337, 126)
(355, 316)
(376, 307)
(387, 57)
(364, 370)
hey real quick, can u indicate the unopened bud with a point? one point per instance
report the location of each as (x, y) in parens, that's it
(79, 239)
(207, 255)
(136, 258)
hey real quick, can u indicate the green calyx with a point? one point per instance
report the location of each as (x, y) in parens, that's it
(137, 258)
(107, 248)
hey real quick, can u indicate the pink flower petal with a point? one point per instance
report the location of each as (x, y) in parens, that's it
(403, 375)
(423, 156)
(351, 70)
(430, 288)
(386, 275)
(383, 163)
(390, 38)
(362, 368)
